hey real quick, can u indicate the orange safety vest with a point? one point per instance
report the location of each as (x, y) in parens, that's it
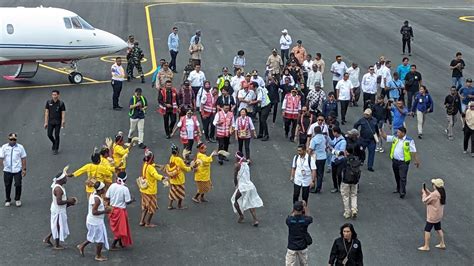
(224, 124)
(209, 107)
(162, 108)
(292, 106)
(183, 132)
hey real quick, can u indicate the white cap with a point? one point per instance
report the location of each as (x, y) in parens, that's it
(284, 31)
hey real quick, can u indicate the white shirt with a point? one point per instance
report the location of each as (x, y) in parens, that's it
(354, 76)
(119, 195)
(117, 72)
(386, 76)
(196, 79)
(344, 87)
(189, 126)
(12, 157)
(369, 83)
(250, 96)
(315, 77)
(262, 96)
(91, 218)
(259, 80)
(323, 126)
(236, 84)
(398, 153)
(303, 176)
(285, 42)
(55, 208)
(308, 66)
(338, 68)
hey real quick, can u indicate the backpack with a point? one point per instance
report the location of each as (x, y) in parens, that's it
(309, 160)
(352, 170)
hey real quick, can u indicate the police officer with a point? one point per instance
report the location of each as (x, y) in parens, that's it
(403, 148)
(54, 119)
(134, 60)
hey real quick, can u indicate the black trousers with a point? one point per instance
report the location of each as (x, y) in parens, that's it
(468, 134)
(303, 138)
(170, 120)
(400, 170)
(285, 53)
(320, 173)
(368, 96)
(296, 193)
(189, 146)
(274, 111)
(173, 60)
(410, 96)
(223, 143)
(208, 126)
(337, 174)
(334, 83)
(8, 180)
(117, 89)
(54, 139)
(356, 97)
(406, 43)
(245, 142)
(344, 106)
(262, 120)
(293, 123)
(196, 90)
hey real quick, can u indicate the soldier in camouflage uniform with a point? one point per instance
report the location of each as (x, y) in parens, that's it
(134, 60)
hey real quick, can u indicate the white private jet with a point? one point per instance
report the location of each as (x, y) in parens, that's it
(29, 36)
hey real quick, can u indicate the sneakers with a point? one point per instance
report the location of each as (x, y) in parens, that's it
(354, 214)
(334, 190)
(377, 149)
(18, 203)
(381, 150)
(420, 136)
(450, 138)
(446, 131)
(347, 215)
(7, 204)
(464, 152)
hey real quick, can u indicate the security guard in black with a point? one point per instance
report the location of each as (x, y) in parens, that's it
(54, 119)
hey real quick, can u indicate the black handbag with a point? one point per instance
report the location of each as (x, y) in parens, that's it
(308, 239)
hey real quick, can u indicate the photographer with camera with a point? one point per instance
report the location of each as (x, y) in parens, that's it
(298, 237)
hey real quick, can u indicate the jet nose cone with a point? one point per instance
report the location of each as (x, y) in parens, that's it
(117, 43)
(114, 43)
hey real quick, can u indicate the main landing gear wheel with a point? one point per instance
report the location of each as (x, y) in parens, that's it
(75, 77)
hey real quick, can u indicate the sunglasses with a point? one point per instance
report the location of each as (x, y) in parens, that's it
(320, 119)
(12, 139)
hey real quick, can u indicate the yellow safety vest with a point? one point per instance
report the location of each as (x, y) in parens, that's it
(406, 148)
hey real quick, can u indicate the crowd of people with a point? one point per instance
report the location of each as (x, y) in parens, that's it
(205, 112)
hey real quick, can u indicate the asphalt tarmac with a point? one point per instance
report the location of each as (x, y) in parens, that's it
(389, 228)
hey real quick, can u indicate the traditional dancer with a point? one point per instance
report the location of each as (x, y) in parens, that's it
(149, 190)
(95, 172)
(202, 173)
(175, 170)
(96, 231)
(118, 197)
(120, 151)
(59, 226)
(107, 161)
(223, 122)
(245, 196)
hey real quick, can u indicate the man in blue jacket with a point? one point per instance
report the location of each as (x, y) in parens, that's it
(422, 105)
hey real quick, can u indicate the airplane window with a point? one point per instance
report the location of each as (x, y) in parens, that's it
(85, 25)
(67, 23)
(75, 23)
(10, 29)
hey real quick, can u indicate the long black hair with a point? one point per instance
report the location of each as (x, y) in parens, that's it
(351, 227)
(442, 192)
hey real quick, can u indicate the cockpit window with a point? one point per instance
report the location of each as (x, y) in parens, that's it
(67, 23)
(76, 23)
(85, 25)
